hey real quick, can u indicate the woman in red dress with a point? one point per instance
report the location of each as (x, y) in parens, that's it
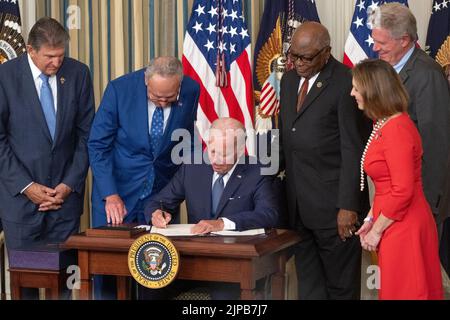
(400, 225)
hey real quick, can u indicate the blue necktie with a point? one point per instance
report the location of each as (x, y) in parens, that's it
(48, 105)
(157, 130)
(216, 194)
(156, 133)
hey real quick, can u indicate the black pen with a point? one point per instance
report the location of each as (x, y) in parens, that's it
(162, 210)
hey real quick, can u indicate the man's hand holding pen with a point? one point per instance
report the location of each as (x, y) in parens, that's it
(161, 218)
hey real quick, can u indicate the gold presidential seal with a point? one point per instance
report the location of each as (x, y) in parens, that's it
(153, 261)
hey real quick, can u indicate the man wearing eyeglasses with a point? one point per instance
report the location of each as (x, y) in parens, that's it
(130, 141)
(322, 135)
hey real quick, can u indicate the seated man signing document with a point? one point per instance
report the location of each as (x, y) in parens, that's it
(230, 193)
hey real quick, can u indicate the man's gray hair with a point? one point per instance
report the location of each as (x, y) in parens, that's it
(396, 18)
(165, 67)
(48, 32)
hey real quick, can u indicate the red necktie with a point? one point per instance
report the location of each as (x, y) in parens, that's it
(302, 94)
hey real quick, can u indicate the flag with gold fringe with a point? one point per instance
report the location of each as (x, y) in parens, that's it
(278, 23)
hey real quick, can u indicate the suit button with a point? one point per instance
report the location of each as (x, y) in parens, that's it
(293, 129)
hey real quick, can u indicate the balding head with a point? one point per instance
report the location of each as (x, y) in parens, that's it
(163, 80)
(226, 144)
(310, 48)
(312, 33)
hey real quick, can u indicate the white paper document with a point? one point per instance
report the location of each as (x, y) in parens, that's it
(252, 232)
(174, 230)
(185, 230)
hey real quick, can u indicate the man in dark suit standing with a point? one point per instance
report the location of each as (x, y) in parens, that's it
(395, 34)
(46, 111)
(321, 138)
(227, 192)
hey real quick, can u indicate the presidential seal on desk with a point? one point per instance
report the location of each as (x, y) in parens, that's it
(153, 261)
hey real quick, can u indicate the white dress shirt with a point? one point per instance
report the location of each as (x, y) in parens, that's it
(310, 83)
(227, 223)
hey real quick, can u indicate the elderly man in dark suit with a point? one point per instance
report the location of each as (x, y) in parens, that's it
(322, 136)
(395, 34)
(46, 111)
(228, 192)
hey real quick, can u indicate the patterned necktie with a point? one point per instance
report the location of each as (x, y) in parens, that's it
(156, 133)
(216, 194)
(48, 105)
(157, 129)
(302, 94)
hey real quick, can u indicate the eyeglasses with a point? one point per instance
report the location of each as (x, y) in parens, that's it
(295, 57)
(174, 97)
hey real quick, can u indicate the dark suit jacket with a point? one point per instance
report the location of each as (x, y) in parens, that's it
(321, 147)
(119, 143)
(429, 109)
(248, 198)
(27, 152)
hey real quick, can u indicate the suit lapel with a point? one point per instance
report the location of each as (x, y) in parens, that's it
(231, 187)
(291, 104)
(139, 114)
(318, 87)
(404, 73)
(204, 185)
(172, 122)
(170, 127)
(32, 99)
(62, 103)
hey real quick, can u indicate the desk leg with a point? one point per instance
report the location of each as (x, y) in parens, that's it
(248, 283)
(3, 271)
(15, 286)
(279, 279)
(52, 293)
(85, 277)
(122, 288)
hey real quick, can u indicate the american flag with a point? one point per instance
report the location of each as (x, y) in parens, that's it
(359, 44)
(439, 27)
(279, 21)
(217, 54)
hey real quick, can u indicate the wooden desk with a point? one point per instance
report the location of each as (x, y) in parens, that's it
(242, 260)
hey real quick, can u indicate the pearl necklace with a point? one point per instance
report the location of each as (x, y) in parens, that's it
(375, 129)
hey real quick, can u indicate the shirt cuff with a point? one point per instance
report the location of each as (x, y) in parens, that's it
(23, 190)
(228, 224)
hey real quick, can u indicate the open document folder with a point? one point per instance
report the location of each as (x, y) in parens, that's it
(185, 230)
